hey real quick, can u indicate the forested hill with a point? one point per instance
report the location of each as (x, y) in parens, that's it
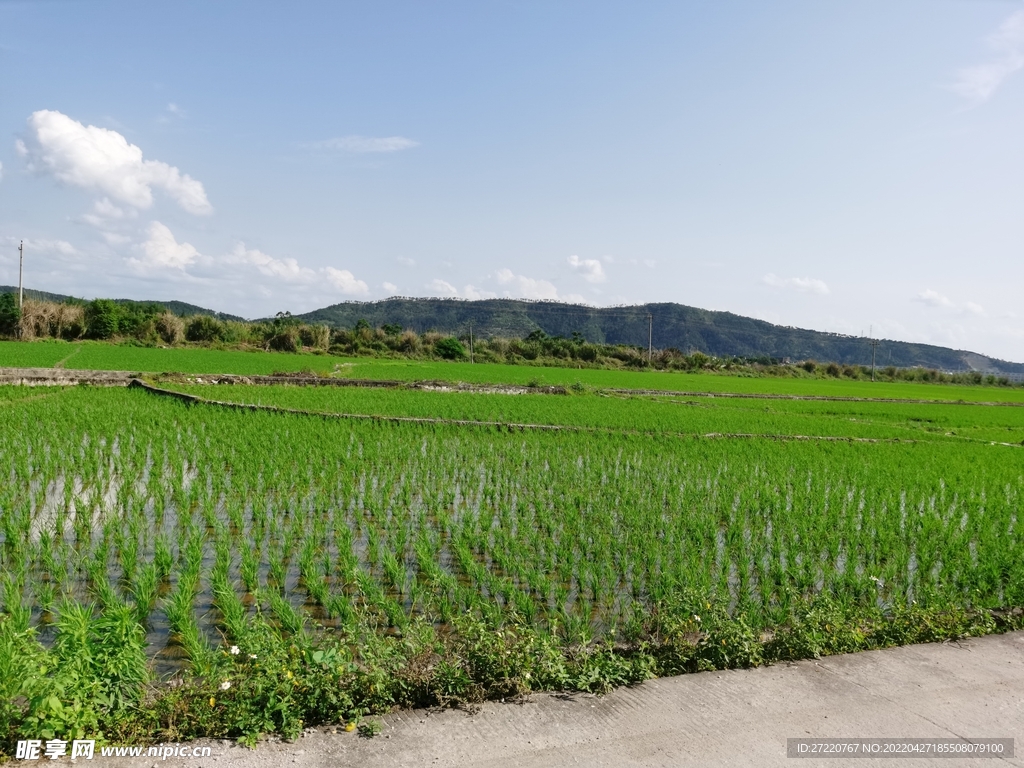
(688, 329)
(180, 308)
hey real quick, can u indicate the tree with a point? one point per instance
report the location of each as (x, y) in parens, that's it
(284, 320)
(450, 348)
(102, 318)
(204, 328)
(10, 314)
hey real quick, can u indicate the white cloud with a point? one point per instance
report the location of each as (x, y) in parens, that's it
(102, 160)
(937, 300)
(590, 269)
(364, 144)
(115, 238)
(108, 210)
(346, 282)
(389, 287)
(440, 287)
(934, 299)
(287, 270)
(527, 287)
(41, 247)
(172, 111)
(105, 212)
(406, 262)
(161, 251)
(979, 82)
(474, 293)
(804, 284)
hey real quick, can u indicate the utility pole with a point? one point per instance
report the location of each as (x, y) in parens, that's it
(650, 338)
(874, 345)
(21, 274)
(471, 342)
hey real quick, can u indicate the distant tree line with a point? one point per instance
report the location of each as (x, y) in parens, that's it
(152, 324)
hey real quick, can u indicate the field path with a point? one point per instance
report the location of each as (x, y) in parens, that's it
(738, 718)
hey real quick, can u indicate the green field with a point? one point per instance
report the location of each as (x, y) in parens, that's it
(403, 370)
(292, 569)
(650, 413)
(106, 356)
(103, 356)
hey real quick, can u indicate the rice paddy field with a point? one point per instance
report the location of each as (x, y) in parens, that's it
(89, 355)
(651, 413)
(176, 569)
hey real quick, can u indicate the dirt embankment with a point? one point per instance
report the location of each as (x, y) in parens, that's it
(61, 377)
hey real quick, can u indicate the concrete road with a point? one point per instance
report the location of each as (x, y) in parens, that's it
(740, 718)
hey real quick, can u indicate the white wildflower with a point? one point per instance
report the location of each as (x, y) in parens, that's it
(225, 685)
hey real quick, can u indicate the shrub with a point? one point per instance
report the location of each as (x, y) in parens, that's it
(810, 366)
(170, 327)
(450, 349)
(36, 318)
(10, 314)
(409, 342)
(286, 340)
(628, 355)
(102, 318)
(316, 336)
(69, 321)
(146, 332)
(342, 337)
(204, 328)
(699, 360)
(236, 332)
(136, 319)
(833, 370)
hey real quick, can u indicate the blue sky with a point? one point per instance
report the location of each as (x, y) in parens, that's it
(843, 166)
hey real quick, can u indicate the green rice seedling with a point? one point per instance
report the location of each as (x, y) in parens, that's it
(230, 606)
(250, 569)
(289, 619)
(163, 558)
(144, 591)
(120, 654)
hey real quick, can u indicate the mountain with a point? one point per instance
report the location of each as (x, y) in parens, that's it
(722, 334)
(180, 308)
(689, 329)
